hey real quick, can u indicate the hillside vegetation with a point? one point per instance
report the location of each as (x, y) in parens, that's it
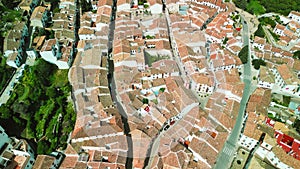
(278, 6)
(38, 107)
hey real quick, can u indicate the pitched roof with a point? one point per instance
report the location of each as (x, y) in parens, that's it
(37, 13)
(85, 31)
(43, 161)
(287, 75)
(266, 75)
(295, 13)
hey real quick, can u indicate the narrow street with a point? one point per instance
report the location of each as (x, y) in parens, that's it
(113, 89)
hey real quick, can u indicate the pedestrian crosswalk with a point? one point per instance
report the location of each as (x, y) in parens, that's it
(228, 151)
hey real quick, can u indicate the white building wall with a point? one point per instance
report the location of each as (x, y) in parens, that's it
(87, 36)
(259, 46)
(36, 23)
(123, 7)
(100, 25)
(156, 9)
(12, 63)
(49, 57)
(131, 63)
(278, 31)
(264, 84)
(294, 17)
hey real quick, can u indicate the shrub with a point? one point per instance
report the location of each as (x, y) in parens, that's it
(243, 54)
(257, 63)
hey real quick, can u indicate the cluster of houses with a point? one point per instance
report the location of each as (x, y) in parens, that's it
(98, 139)
(269, 139)
(15, 153)
(282, 71)
(152, 92)
(57, 49)
(164, 62)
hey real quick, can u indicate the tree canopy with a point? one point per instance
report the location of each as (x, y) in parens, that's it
(260, 32)
(5, 72)
(296, 55)
(283, 7)
(243, 54)
(257, 63)
(254, 7)
(38, 108)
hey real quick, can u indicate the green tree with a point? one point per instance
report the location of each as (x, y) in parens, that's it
(5, 71)
(258, 62)
(225, 40)
(145, 101)
(5, 112)
(241, 4)
(86, 5)
(43, 147)
(296, 55)
(260, 32)
(243, 54)
(267, 21)
(255, 7)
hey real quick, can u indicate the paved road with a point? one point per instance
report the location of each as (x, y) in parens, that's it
(226, 156)
(156, 143)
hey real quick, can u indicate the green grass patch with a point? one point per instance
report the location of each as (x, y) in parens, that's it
(25, 93)
(149, 59)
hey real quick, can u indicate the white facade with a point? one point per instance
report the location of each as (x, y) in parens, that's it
(129, 63)
(123, 7)
(264, 84)
(8, 52)
(49, 57)
(156, 76)
(259, 46)
(278, 79)
(87, 36)
(212, 39)
(156, 9)
(289, 88)
(173, 8)
(201, 88)
(294, 16)
(100, 25)
(278, 31)
(225, 67)
(211, 5)
(65, 4)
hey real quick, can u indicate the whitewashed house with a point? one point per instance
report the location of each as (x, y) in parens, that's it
(287, 79)
(294, 16)
(259, 43)
(156, 6)
(123, 5)
(203, 84)
(265, 78)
